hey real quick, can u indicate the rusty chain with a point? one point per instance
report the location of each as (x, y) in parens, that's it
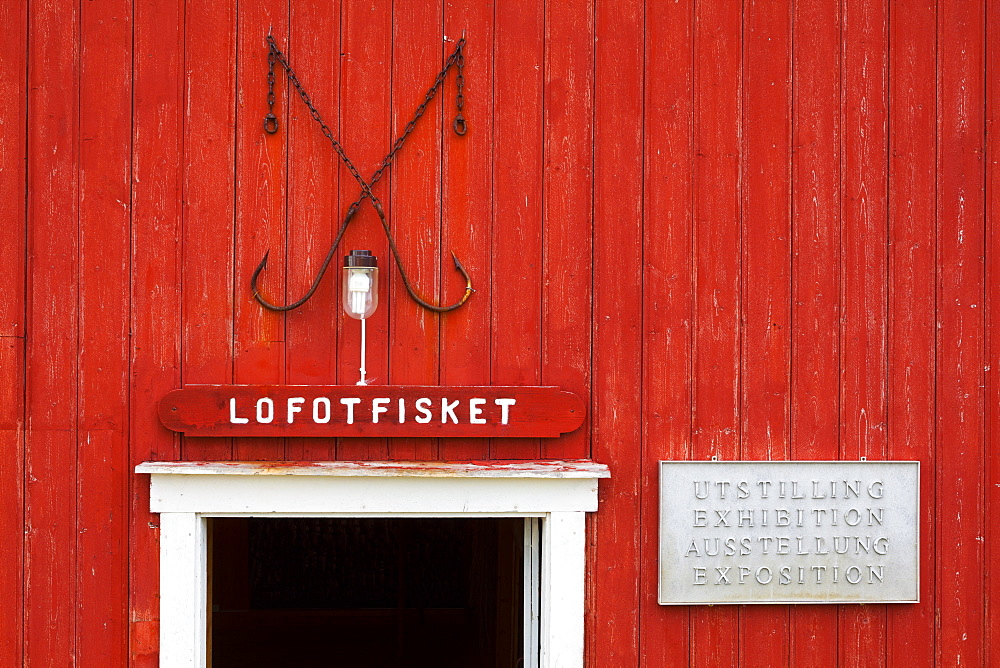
(456, 59)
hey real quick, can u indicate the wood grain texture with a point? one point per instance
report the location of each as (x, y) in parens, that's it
(911, 286)
(613, 629)
(103, 342)
(12, 491)
(467, 210)
(156, 263)
(960, 336)
(13, 149)
(816, 275)
(13, 258)
(414, 332)
(516, 275)
(367, 134)
(261, 212)
(668, 299)
(568, 186)
(766, 263)
(314, 214)
(864, 298)
(992, 302)
(718, 300)
(207, 270)
(51, 379)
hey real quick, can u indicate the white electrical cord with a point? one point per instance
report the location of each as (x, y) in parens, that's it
(362, 381)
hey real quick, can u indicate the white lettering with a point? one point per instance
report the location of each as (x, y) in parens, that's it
(448, 409)
(422, 406)
(261, 404)
(232, 413)
(475, 411)
(325, 403)
(379, 406)
(294, 406)
(350, 402)
(504, 405)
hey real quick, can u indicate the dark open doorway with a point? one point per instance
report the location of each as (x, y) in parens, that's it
(366, 592)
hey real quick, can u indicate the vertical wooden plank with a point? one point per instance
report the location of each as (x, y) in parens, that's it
(416, 197)
(102, 356)
(912, 50)
(864, 108)
(717, 243)
(261, 220)
(13, 256)
(50, 493)
(516, 279)
(765, 355)
(567, 242)
(960, 409)
(12, 572)
(13, 149)
(668, 299)
(314, 216)
(467, 220)
(864, 293)
(992, 589)
(816, 222)
(209, 191)
(615, 588)
(366, 133)
(157, 179)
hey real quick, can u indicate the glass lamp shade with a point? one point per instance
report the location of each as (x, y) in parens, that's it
(360, 291)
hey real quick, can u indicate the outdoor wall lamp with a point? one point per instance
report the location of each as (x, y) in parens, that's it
(360, 292)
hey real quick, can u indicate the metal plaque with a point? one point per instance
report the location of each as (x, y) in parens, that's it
(789, 532)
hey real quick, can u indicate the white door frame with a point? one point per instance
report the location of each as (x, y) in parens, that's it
(186, 493)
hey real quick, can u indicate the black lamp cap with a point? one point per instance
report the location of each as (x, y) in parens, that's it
(360, 258)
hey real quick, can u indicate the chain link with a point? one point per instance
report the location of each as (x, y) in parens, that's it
(460, 126)
(270, 121)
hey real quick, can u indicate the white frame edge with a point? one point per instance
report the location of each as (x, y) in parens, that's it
(186, 493)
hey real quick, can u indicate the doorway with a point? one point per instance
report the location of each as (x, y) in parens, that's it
(551, 497)
(368, 591)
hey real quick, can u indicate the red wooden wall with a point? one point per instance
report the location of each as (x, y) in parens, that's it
(760, 230)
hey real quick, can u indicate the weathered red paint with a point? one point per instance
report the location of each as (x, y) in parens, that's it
(393, 411)
(757, 230)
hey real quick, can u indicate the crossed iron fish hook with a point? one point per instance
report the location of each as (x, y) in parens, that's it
(271, 127)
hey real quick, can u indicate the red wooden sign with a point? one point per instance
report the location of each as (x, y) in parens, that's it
(373, 410)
